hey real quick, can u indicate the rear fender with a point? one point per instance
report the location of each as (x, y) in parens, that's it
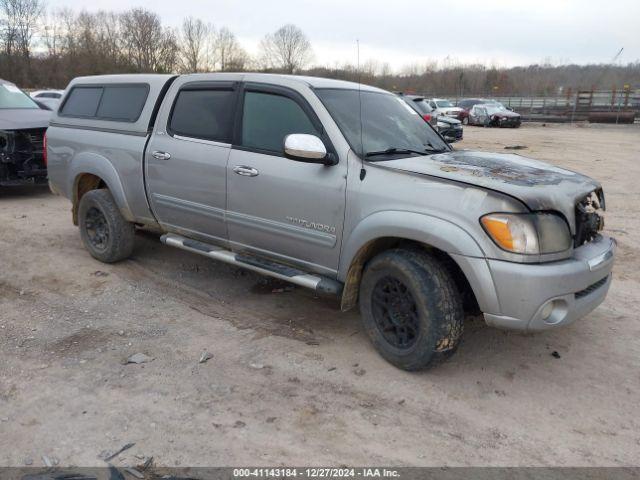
(101, 167)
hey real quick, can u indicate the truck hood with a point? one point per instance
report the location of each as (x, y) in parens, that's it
(23, 118)
(539, 185)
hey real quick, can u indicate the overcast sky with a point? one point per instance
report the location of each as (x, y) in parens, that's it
(501, 32)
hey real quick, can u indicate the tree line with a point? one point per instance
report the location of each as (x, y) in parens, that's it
(47, 49)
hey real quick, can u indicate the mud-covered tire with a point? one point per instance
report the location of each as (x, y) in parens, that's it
(436, 317)
(104, 231)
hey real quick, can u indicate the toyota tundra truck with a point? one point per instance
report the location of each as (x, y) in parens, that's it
(338, 187)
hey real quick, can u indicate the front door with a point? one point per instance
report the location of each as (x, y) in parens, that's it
(187, 159)
(278, 207)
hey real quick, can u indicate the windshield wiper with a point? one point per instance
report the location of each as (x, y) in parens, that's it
(434, 149)
(395, 151)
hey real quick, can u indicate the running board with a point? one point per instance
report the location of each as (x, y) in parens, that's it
(320, 284)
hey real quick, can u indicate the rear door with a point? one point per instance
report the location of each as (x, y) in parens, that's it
(278, 207)
(481, 115)
(187, 155)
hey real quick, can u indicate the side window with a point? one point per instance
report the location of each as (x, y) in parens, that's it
(82, 102)
(123, 102)
(205, 114)
(268, 118)
(433, 105)
(120, 103)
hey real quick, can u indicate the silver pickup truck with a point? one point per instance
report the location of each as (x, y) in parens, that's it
(337, 187)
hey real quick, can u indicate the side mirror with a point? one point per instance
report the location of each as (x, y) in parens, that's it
(306, 148)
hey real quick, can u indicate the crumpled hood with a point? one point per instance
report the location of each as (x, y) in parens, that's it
(538, 185)
(23, 118)
(506, 113)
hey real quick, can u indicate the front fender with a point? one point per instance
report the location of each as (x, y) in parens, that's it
(426, 229)
(99, 166)
(433, 231)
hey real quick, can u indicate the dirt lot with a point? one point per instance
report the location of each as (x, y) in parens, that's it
(292, 380)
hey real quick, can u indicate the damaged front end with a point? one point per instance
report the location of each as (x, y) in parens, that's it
(589, 217)
(22, 157)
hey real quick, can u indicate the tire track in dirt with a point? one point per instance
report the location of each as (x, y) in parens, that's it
(240, 317)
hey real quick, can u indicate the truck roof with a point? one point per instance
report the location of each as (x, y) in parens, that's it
(314, 82)
(157, 84)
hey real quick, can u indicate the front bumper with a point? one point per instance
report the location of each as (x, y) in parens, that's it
(510, 122)
(452, 134)
(542, 296)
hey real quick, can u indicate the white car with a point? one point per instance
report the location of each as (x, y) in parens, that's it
(50, 98)
(445, 107)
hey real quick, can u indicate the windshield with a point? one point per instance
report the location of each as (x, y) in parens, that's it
(12, 97)
(444, 104)
(388, 123)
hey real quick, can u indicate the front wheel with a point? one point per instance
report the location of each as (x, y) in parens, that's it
(465, 121)
(104, 231)
(411, 308)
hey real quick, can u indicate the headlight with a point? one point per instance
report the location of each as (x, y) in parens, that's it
(6, 141)
(529, 233)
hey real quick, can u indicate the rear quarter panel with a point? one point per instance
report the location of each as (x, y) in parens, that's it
(114, 157)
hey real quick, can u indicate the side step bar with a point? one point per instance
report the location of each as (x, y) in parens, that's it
(320, 284)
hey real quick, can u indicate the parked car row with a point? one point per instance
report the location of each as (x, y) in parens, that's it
(469, 111)
(447, 126)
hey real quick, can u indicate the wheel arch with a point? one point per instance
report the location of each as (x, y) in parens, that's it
(389, 230)
(91, 172)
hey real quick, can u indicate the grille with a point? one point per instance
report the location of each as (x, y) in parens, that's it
(591, 288)
(36, 138)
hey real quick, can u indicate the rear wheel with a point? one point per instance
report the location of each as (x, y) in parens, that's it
(104, 231)
(411, 308)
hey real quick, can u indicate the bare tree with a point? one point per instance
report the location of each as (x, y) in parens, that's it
(229, 54)
(148, 45)
(19, 25)
(193, 45)
(287, 49)
(54, 32)
(87, 43)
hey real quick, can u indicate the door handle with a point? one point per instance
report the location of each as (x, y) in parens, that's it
(161, 155)
(245, 171)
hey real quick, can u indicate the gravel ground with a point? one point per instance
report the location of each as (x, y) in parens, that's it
(291, 379)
